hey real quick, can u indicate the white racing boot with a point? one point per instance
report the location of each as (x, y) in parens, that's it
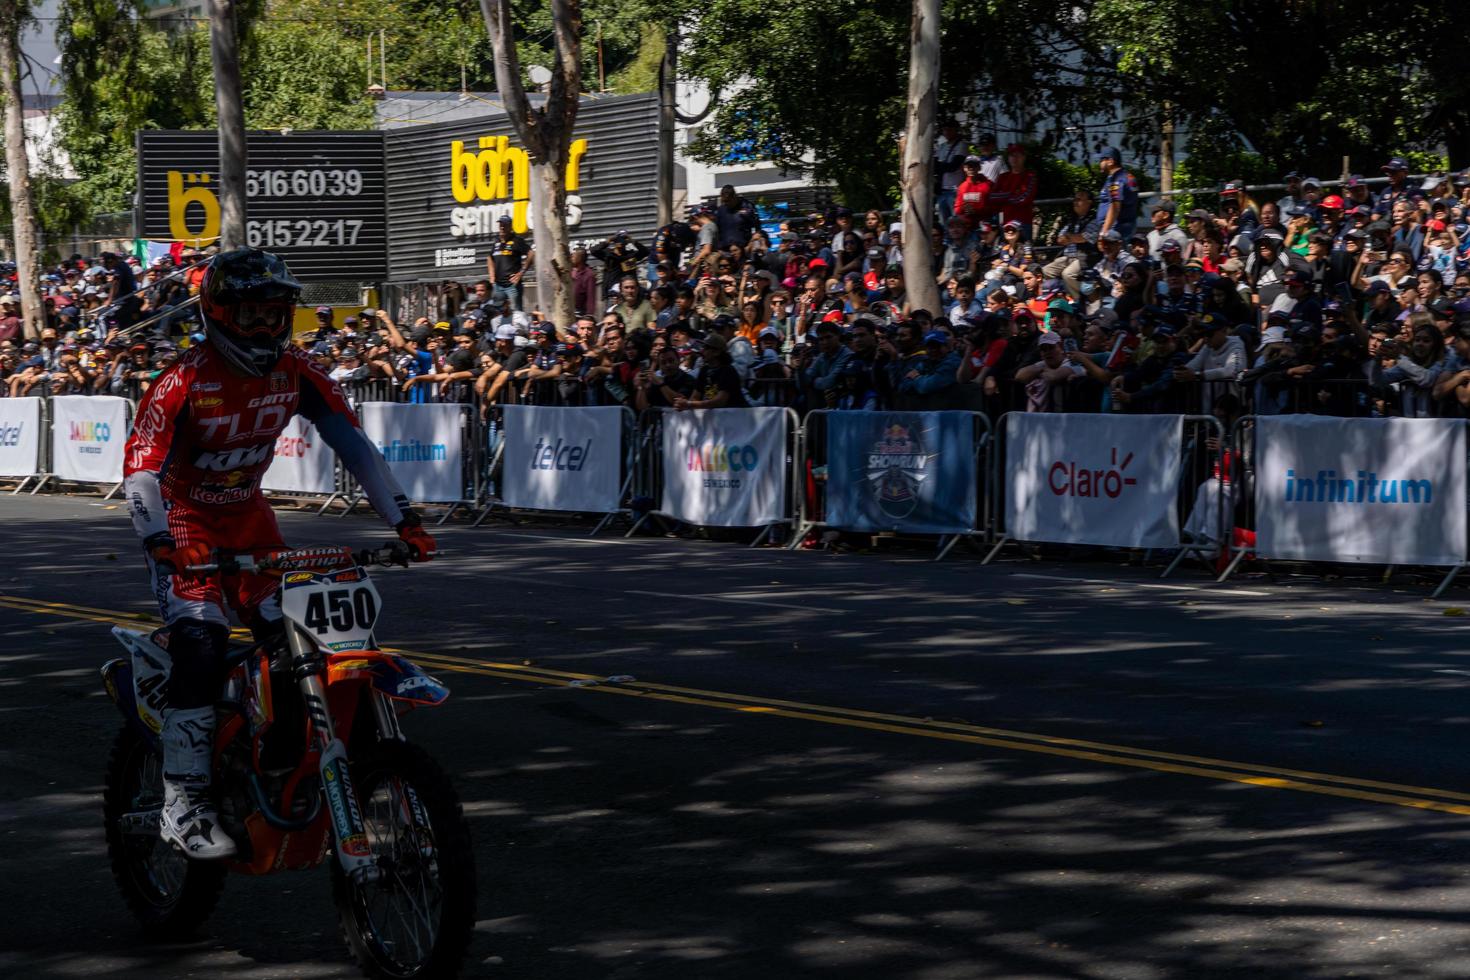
(189, 820)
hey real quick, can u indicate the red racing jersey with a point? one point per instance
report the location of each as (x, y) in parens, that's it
(204, 435)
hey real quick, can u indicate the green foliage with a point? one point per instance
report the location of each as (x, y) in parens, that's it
(641, 74)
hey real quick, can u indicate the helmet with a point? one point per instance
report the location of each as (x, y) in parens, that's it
(246, 299)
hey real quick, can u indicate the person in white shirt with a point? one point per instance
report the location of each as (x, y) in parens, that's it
(1220, 359)
(950, 151)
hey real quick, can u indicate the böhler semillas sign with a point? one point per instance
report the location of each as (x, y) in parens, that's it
(450, 183)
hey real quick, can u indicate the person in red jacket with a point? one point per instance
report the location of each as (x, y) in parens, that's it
(203, 437)
(972, 197)
(1013, 197)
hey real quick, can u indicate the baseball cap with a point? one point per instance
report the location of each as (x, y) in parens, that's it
(568, 350)
(935, 337)
(1048, 339)
(1199, 213)
(1232, 187)
(1013, 224)
(1210, 322)
(1331, 202)
(1169, 245)
(1060, 306)
(973, 159)
(714, 342)
(877, 253)
(1016, 148)
(323, 311)
(1110, 153)
(1378, 288)
(1163, 204)
(818, 261)
(505, 331)
(1310, 182)
(1397, 163)
(1296, 277)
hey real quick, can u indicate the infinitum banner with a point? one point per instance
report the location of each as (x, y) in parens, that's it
(1376, 490)
(423, 445)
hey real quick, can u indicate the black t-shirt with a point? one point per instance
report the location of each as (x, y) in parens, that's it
(713, 380)
(670, 241)
(508, 256)
(680, 382)
(126, 283)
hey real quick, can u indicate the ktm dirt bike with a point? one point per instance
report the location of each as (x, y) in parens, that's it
(310, 765)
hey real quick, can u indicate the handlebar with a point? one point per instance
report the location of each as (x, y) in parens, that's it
(306, 559)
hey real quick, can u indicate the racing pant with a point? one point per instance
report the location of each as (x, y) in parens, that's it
(194, 607)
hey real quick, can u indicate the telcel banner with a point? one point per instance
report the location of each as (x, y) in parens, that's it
(303, 463)
(563, 458)
(901, 471)
(20, 436)
(88, 434)
(725, 467)
(422, 444)
(1376, 490)
(1093, 479)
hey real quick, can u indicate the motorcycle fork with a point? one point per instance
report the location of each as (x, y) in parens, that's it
(348, 831)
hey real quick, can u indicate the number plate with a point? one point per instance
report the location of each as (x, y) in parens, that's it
(337, 610)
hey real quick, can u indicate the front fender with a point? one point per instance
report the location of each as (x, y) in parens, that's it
(391, 675)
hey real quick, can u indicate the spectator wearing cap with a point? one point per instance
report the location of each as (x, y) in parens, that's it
(738, 349)
(509, 260)
(10, 321)
(1413, 369)
(1265, 269)
(620, 255)
(992, 164)
(1046, 381)
(1397, 190)
(1216, 364)
(663, 381)
(1112, 259)
(1293, 196)
(122, 286)
(821, 371)
(572, 389)
(877, 265)
(1075, 233)
(667, 248)
(734, 217)
(931, 381)
(1165, 229)
(950, 151)
(1299, 298)
(717, 385)
(1117, 201)
(972, 197)
(961, 255)
(1238, 215)
(1013, 195)
(966, 305)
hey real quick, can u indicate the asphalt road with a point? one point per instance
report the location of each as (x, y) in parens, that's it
(819, 766)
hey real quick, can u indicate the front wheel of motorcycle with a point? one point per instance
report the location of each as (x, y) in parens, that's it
(415, 921)
(170, 895)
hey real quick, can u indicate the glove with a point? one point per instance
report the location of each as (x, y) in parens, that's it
(420, 544)
(163, 550)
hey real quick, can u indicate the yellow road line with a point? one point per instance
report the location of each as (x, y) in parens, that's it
(1416, 797)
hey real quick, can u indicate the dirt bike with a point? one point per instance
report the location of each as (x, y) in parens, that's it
(309, 764)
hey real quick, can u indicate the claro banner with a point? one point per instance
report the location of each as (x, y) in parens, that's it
(1375, 490)
(725, 467)
(20, 436)
(303, 463)
(1093, 479)
(423, 446)
(88, 433)
(563, 458)
(901, 471)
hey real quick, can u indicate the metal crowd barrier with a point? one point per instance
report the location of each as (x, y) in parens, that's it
(1203, 482)
(815, 473)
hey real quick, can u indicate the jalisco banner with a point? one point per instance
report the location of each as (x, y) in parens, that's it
(303, 463)
(423, 446)
(1093, 479)
(563, 458)
(901, 471)
(20, 436)
(725, 467)
(1374, 490)
(88, 433)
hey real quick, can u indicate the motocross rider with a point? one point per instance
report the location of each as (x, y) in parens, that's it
(203, 436)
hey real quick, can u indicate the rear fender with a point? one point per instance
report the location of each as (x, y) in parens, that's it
(389, 674)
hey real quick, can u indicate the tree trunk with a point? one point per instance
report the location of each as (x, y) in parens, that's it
(225, 48)
(918, 158)
(546, 133)
(27, 252)
(668, 73)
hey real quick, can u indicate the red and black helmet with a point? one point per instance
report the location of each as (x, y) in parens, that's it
(247, 298)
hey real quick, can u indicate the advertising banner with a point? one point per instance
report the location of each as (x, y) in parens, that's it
(422, 444)
(725, 467)
(20, 436)
(317, 199)
(901, 471)
(1374, 490)
(563, 458)
(88, 434)
(303, 463)
(1093, 479)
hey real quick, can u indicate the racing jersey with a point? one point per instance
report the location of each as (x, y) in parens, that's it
(204, 436)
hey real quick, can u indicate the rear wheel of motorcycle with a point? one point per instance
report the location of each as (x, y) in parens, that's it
(416, 920)
(169, 895)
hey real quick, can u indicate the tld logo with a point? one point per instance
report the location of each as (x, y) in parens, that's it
(1070, 479)
(10, 434)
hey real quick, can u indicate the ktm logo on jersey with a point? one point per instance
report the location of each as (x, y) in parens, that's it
(234, 459)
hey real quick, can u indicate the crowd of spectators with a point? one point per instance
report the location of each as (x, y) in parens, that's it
(1334, 299)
